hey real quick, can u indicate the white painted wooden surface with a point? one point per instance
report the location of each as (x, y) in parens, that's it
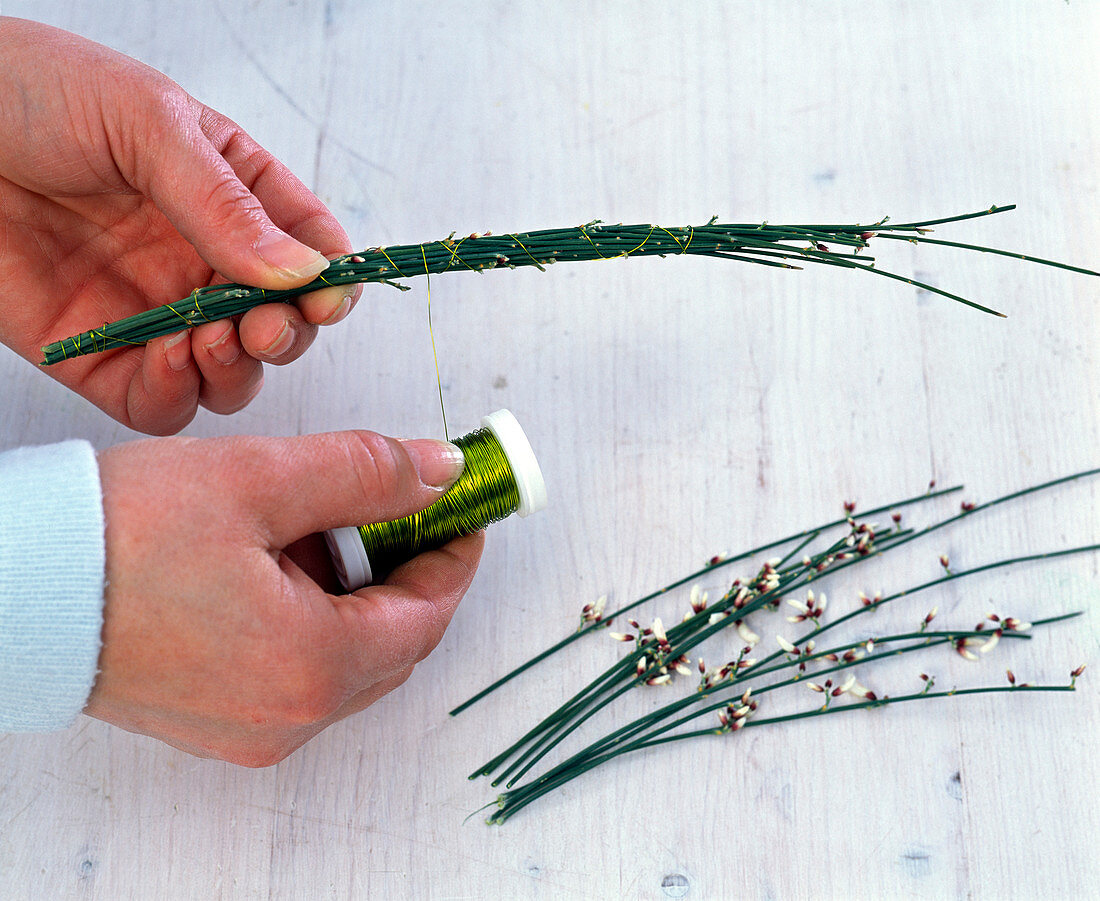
(679, 408)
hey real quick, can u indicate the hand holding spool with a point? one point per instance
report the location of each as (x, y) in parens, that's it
(501, 477)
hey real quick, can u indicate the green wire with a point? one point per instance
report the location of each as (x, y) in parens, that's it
(485, 493)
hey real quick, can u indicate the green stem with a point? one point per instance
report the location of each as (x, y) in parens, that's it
(513, 801)
(693, 576)
(755, 243)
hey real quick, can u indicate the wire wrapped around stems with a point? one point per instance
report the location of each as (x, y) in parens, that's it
(767, 245)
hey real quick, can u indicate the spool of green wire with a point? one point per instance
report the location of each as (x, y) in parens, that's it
(501, 477)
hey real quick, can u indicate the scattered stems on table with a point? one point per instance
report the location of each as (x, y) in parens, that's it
(784, 246)
(728, 695)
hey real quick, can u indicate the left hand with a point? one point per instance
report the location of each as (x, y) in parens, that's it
(120, 192)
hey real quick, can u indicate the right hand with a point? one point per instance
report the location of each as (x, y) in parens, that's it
(215, 638)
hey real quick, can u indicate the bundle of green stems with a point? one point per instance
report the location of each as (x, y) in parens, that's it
(785, 246)
(728, 695)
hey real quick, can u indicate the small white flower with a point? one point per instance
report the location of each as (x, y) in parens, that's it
(698, 598)
(991, 643)
(747, 635)
(659, 631)
(961, 647)
(786, 645)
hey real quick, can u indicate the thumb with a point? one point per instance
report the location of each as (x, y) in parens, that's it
(318, 482)
(204, 198)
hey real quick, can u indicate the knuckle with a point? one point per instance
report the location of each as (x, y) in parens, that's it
(226, 200)
(378, 462)
(250, 160)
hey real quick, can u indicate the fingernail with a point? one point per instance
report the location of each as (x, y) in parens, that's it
(177, 351)
(290, 257)
(282, 342)
(438, 463)
(227, 349)
(342, 308)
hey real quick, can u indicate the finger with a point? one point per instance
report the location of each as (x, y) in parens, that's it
(329, 305)
(289, 203)
(276, 333)
(163, 393)
(316, 482)
(201, 195)
(396, 625)
(291, 206)
(230, 377)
